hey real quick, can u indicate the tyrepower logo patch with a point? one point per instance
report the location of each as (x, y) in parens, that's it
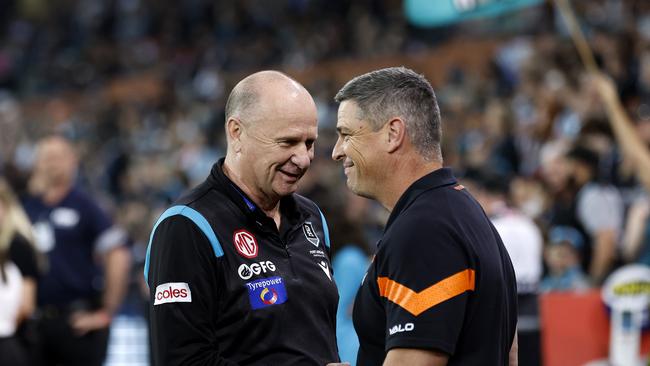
(266, 292)
(245, 243)
(172, 292)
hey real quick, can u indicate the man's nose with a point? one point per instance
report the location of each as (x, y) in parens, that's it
(302, 157)
(337, 152)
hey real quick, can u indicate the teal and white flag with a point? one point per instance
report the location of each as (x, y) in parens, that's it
(434, 13)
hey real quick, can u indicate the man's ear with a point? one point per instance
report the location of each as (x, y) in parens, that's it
(395, 134)
(234, 132)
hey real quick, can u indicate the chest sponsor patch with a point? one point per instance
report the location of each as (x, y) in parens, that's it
(245, 243)
(310, 233)
(246, 271)
(266, 292)
(172, 292)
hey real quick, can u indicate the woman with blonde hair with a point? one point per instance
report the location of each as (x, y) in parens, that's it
(18, 275)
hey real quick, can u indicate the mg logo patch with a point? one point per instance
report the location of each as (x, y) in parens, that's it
(310, 233)
(266, 292)
(245, 243)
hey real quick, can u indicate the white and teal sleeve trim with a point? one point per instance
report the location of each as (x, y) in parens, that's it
(199, 221)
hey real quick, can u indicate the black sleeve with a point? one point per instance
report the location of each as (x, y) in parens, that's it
(183, 290)
(423, 280)
(24, 256)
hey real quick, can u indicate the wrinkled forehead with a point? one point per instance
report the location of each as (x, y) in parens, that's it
(350, 116)
(296, 125)
(277, 112)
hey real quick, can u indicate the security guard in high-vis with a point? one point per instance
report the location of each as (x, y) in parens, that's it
(441, 288)
(239, 268)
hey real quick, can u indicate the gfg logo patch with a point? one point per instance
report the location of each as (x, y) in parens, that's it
(172, 292)
(246, 271)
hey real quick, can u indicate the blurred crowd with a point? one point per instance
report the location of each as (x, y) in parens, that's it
(528, 133)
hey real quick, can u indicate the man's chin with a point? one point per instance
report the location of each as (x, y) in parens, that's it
(358, 190)
(285, 189)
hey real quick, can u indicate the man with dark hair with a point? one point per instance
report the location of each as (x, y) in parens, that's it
(441, 289)
(599, 209)
(239, 268)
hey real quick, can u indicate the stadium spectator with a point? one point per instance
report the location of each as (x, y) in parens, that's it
(19, 270)
(523, 240)
(599, 208)
(562, 254)
(77, 295)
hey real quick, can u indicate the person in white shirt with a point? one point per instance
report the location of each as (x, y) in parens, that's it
(523, 241)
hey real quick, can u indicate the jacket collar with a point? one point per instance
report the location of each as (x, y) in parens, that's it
(288, 206)
(438, 178)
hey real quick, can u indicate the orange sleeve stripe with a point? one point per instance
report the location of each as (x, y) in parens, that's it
(418, 302)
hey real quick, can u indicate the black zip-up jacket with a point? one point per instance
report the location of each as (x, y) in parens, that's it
(228, 288)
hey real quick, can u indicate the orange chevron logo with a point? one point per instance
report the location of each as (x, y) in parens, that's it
(418, 302)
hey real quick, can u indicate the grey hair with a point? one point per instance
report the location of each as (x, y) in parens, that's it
(398, 92)
(240, 100)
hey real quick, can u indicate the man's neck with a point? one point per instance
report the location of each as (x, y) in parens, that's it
(270, 206)
(402, 175)
(55, 194)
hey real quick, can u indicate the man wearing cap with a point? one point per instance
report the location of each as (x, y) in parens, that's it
(562, 255)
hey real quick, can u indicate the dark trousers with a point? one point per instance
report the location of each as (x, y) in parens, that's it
(12, 352)
(528, 330)
(58, 345)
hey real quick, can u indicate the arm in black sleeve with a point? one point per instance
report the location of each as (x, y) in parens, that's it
(183, 290)
(24, 256)
(435, 272)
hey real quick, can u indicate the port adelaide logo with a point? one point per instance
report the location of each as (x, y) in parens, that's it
(310, 233)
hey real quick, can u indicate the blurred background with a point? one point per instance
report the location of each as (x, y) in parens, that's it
(139, 87)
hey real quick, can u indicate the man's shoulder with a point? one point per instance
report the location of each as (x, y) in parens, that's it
(432, 210)
(305, 204)
(203, 198)
(437, 219)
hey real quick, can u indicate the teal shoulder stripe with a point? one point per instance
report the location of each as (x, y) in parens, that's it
(325, 228)
(198, 220)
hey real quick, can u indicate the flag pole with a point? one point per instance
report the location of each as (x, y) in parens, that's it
(586, 55)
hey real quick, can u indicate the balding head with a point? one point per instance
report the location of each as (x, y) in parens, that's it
(271, 126)
(256, 94)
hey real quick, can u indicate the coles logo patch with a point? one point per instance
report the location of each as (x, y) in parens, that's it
(245, 243)
(266, 292)
(172, 292)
